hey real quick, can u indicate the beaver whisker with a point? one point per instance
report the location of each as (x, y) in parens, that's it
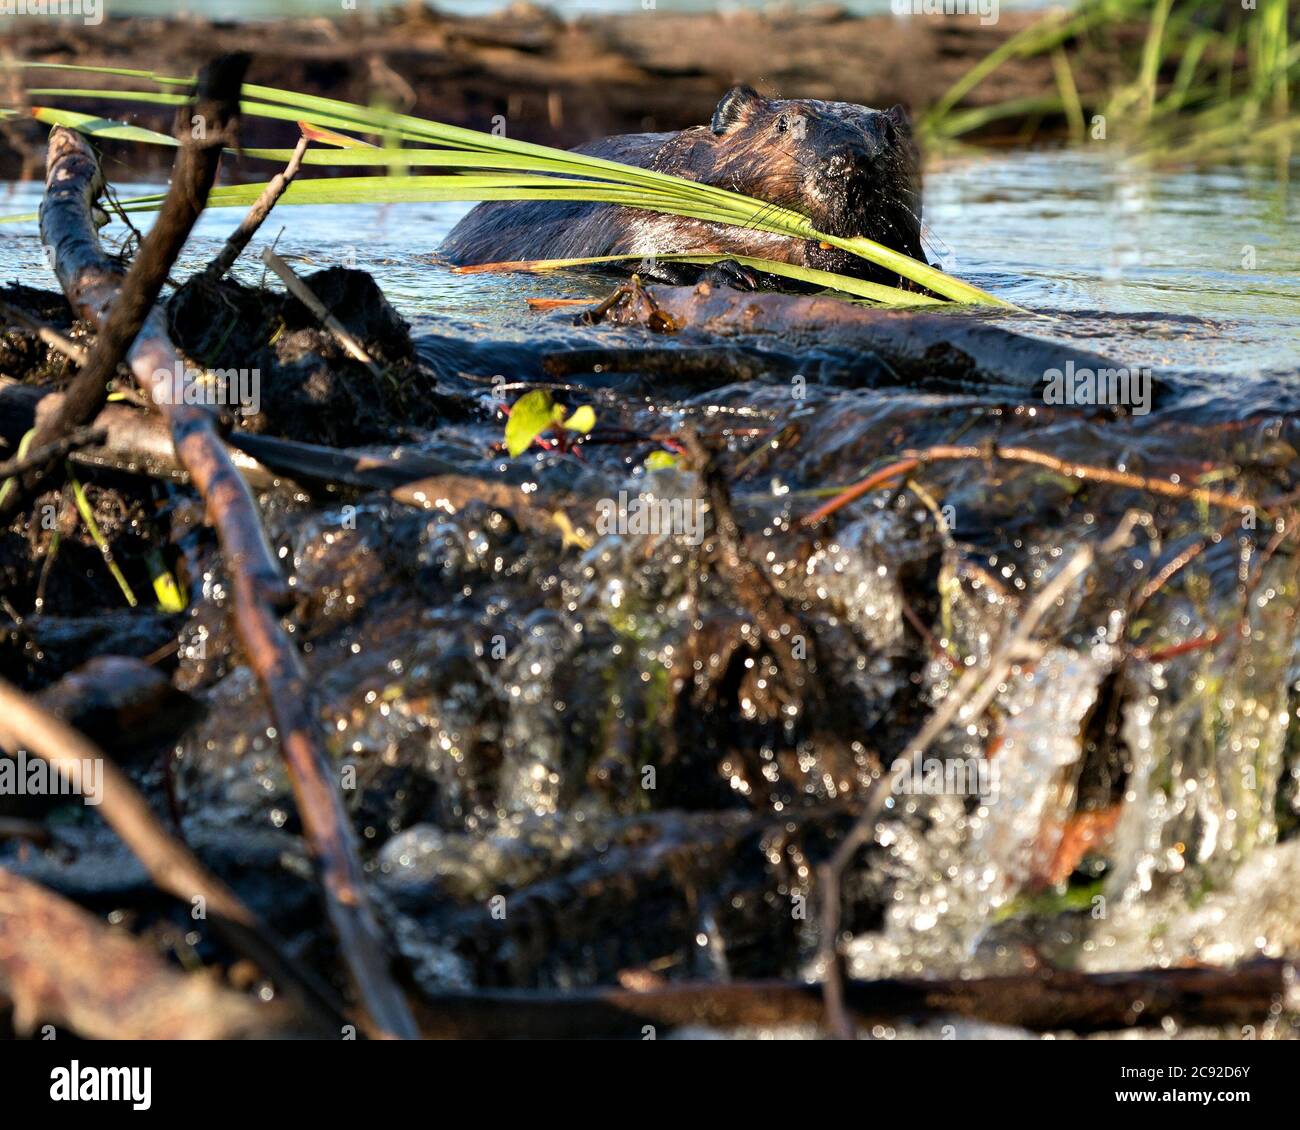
(938, 246)
(783, 201)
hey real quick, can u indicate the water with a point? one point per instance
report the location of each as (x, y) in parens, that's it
(1144, 266)
(1068, 233)
(1150, 267)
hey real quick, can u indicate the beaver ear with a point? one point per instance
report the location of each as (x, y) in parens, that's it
(735, 107)
(898, 116)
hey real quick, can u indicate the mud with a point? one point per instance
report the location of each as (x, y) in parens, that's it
(556, 81)
(577, 755)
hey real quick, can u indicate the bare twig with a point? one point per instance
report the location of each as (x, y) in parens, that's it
(911, 460)
(122, 306)
(304, 294)
(257, 214)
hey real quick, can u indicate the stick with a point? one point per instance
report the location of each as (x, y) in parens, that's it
(911, 460)
(304, 294)
(123, 306)
(26, 725)
(257, 214)
(60, 965)
(976, 687)
(81, 437)
(258, 589)
(141, 443)
(1048, 1001)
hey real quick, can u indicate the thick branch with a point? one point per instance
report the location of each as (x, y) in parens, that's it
(141, 443)
(62, 966)
(1048, 1001)
(258, 590)
(122, 306)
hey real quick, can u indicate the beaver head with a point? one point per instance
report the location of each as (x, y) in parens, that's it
(850, 169)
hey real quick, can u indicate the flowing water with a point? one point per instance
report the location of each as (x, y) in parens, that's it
(1192, 269)
(523, 771)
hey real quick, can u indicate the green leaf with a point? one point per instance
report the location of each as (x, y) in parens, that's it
(95, 126)
(530, 416)
(582, 420)
(661, 461)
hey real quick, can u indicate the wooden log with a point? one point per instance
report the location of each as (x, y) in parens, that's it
(1047, 1001)
(139, 442)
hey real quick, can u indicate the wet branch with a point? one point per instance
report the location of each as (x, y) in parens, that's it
(258, 587)
(914, 460)
(1041, 1001)
(123, 305)
(140, 443)
(27, 725)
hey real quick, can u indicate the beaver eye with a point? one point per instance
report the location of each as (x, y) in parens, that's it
(782, 123)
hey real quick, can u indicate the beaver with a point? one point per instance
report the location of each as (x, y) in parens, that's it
(850, 169)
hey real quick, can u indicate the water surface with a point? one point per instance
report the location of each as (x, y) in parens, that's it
(1196, 269)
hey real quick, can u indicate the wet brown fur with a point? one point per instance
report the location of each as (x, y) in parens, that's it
(850, 169)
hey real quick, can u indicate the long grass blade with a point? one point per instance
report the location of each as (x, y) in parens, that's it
(545, 174)
(859, 288)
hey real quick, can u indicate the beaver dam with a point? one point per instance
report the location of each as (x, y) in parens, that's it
(863, 603)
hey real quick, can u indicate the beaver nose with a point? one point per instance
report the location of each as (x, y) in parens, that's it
(849, 169)
(850, 160)
(841, 168)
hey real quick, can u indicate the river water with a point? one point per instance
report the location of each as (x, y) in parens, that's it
(1192, 272)
(1187, 269)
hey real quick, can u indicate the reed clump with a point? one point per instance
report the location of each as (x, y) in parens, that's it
(1200, 81)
